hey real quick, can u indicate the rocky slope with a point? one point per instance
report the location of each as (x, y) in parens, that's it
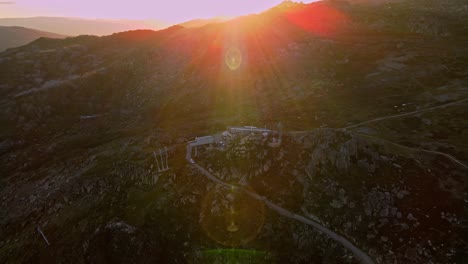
(81, 117)
(384, 203)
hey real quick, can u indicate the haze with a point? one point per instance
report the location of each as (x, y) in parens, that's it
(174, 11)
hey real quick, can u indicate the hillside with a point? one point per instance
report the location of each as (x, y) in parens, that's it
(18, 36)
(202, 22)
(370, 101)
(79, 26)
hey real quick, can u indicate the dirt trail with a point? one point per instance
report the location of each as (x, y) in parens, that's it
(416, 149)
(405, 114)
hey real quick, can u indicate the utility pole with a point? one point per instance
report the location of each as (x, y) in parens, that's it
(280, 130)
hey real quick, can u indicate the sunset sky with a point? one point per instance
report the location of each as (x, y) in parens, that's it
(171, 11)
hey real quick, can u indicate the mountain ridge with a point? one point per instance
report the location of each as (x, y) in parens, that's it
(80, 26)
(15, 36)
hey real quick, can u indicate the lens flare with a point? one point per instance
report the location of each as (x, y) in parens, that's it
(233, 58)
(319, 18)
(232, 256)
(230, 217)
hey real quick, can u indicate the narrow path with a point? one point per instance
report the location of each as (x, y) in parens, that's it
(416, 149)
(396, 144)
(405, 114)
(382, 118)
(358, 253)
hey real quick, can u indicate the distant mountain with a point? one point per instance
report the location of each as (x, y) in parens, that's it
(18, 36)
(80, 26)
(202, 22)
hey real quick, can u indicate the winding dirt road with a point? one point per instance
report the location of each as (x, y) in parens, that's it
(358, 253)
